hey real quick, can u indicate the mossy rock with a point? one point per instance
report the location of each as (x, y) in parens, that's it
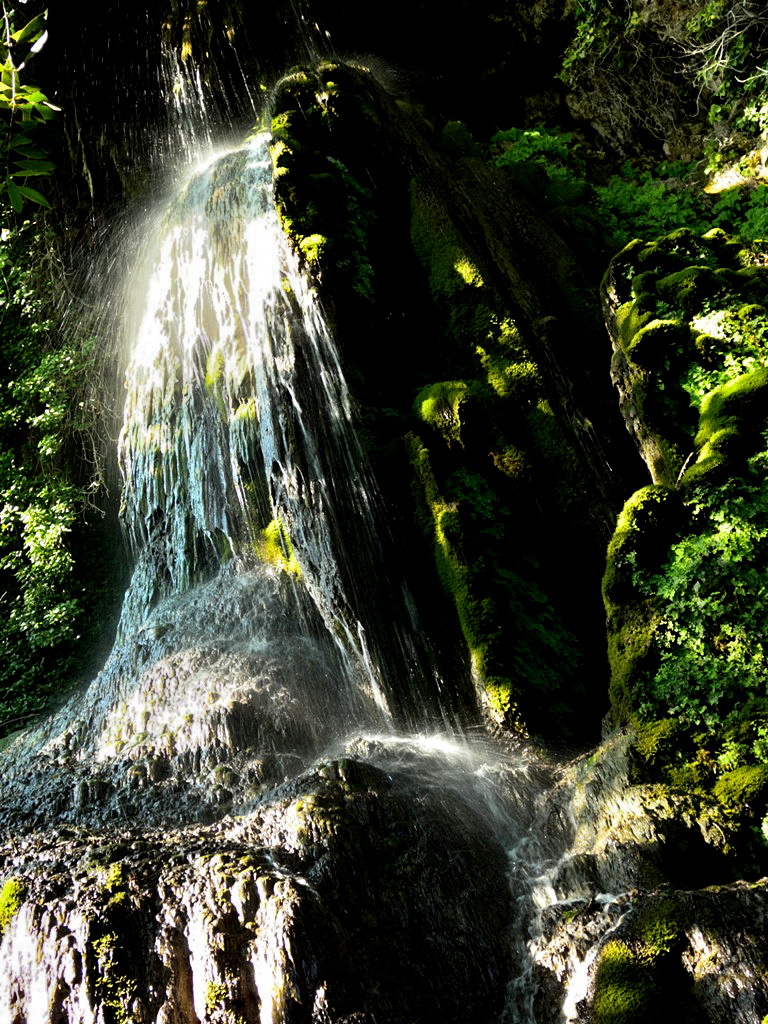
(657, 343)
(747, 785)
(443, 406)
(323, 202)
(644, 530)
(688, 289)
(522, 658)
(625, 987)
(688, 316)
(730, 425)
(12, 896)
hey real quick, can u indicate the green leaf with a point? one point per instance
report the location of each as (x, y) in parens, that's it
(32, 194)
(46, 110)
(34, 167)
(31, 153)
(27, 174)
(29, 94)
(15, 195)
(31, 31)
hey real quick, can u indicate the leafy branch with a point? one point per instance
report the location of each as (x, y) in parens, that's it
(23, 108)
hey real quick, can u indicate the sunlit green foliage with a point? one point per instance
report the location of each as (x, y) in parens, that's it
(685, 581)
(603, 216)
(712, 634)
(40, 503)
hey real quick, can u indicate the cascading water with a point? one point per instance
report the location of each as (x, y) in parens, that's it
(238, 422)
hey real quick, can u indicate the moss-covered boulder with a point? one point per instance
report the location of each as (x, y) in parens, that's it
(687, 955)
(470, 352)
(683, 588)
(686, 315)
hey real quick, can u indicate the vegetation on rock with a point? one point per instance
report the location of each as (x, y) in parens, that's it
(46, 505)
(683, 590)
(12, 896)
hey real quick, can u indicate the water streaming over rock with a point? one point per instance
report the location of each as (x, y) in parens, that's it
(238, 428)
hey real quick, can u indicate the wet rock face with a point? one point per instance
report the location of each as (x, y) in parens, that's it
(624, 922)
(696, 955)
(221, 693)
(334, 900)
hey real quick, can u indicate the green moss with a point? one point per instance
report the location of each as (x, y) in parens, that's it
(661, 928)
(439, 247)
(276, 549)
(513, 462)
(743, 786)
(689, 288)
(116, 877)
(248, 411)
(323, 204)
(518, 381)
(115, 990)
(658, 342)
(440, 406)
(214, 369)
(501, 701)
(312, 248)
(644, 531)
(521, 655)
(215, 994)
(640, 976)
(645, 527)
(735, 407)
(655, 741)
(12, 895)
(690, 319)
(624, 987)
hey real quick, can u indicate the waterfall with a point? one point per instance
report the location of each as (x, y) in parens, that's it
(238, 430)
(247, 649)
(251, 630)
(241, 818)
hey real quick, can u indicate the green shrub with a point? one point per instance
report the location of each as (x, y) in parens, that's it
(41, 504)
(712, 635)
(604, 216)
